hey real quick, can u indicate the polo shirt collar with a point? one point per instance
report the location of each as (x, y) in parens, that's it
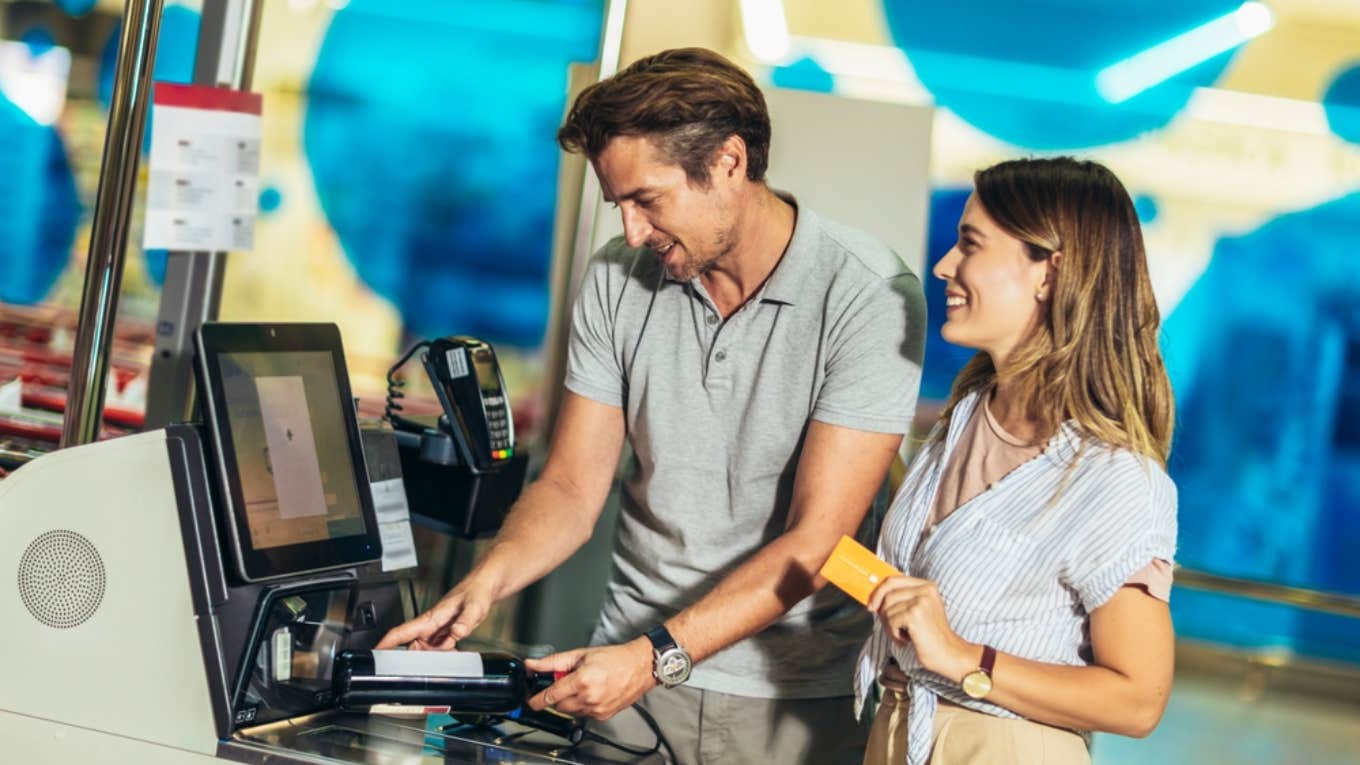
(800, 257)
(795, 266)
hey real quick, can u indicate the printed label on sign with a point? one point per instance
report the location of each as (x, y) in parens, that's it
(394, 524)
(458, 365)
(203, 190)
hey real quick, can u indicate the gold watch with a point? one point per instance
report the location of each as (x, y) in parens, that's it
(978, 683)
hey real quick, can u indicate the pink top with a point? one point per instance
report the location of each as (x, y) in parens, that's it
(984, 455)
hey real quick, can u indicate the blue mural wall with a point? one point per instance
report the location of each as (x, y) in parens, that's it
(39, 208)
(1026, 73)
(943, 360)
(430, 132)
(1264, 353)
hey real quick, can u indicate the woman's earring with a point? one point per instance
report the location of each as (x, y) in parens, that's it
(1039, 296)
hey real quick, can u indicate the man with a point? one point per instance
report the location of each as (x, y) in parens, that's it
(763, 365)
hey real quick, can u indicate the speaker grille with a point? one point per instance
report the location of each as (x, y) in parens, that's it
(61, 579)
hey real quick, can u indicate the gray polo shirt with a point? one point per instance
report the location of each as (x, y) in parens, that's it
(716, 412)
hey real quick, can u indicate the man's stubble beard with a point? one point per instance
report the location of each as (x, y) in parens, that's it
(724, 242)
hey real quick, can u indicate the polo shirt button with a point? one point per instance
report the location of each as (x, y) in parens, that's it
(720, 355)
(712, 319)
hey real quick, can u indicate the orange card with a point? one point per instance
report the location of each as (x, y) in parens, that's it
(855, 569)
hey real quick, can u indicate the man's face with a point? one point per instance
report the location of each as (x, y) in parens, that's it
(690, 228)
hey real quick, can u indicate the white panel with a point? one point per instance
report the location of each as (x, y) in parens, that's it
(862, 163)
(134, 668)
(31, 741)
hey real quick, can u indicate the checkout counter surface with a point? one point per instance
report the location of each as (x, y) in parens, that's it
(359, 738)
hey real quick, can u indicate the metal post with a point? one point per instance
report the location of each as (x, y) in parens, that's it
(192, 291)
(112, 210)
(567, 276)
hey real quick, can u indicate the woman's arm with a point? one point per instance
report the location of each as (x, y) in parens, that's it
(1125, 691)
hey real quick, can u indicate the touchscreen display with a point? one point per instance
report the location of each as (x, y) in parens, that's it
(485, 364)
(289, 437)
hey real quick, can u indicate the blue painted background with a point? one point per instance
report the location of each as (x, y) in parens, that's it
(430, 133)
(1025, 72)
(39, 207)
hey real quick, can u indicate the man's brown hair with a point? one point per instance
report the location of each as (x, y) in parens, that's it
(687, 101)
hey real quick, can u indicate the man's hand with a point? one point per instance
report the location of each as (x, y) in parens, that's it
(603, 681)
(911, 609)
(453, 618)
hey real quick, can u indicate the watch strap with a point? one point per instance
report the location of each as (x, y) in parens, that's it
(988, 659)
(660, 638)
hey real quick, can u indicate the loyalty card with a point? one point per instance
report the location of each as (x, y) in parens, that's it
(855, 569)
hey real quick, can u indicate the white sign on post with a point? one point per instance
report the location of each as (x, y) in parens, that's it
(205, 167)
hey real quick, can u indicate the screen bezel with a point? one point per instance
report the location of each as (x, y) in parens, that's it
(254, 565)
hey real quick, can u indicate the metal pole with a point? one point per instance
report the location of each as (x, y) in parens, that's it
(192, 291)
(567, 276)
(112, 210)
(1341, 604)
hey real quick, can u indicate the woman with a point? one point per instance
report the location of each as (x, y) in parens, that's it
(1037, 525)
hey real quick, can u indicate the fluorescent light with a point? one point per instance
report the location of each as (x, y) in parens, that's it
(767, 29)
(1147, 68)
(888, 65)
(1254, 19)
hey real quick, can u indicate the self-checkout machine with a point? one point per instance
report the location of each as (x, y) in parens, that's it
(185, 594)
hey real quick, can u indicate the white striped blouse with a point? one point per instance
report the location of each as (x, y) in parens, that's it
(1020, 566)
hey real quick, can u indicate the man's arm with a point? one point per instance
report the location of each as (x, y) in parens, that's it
(552, 519)
(838, 474)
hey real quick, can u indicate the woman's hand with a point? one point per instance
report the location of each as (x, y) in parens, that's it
(911, 609)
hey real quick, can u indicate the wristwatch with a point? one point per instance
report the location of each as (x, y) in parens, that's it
(671, 665)
(978, 683)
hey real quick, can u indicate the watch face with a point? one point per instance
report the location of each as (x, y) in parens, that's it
(672, 667)
(977, 684)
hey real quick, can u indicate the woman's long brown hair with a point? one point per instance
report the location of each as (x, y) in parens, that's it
(1093, 357)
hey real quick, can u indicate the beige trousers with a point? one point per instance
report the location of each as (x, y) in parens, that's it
(711, 728)
(963, 736)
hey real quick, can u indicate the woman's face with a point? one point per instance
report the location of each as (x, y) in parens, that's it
(993, 290)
